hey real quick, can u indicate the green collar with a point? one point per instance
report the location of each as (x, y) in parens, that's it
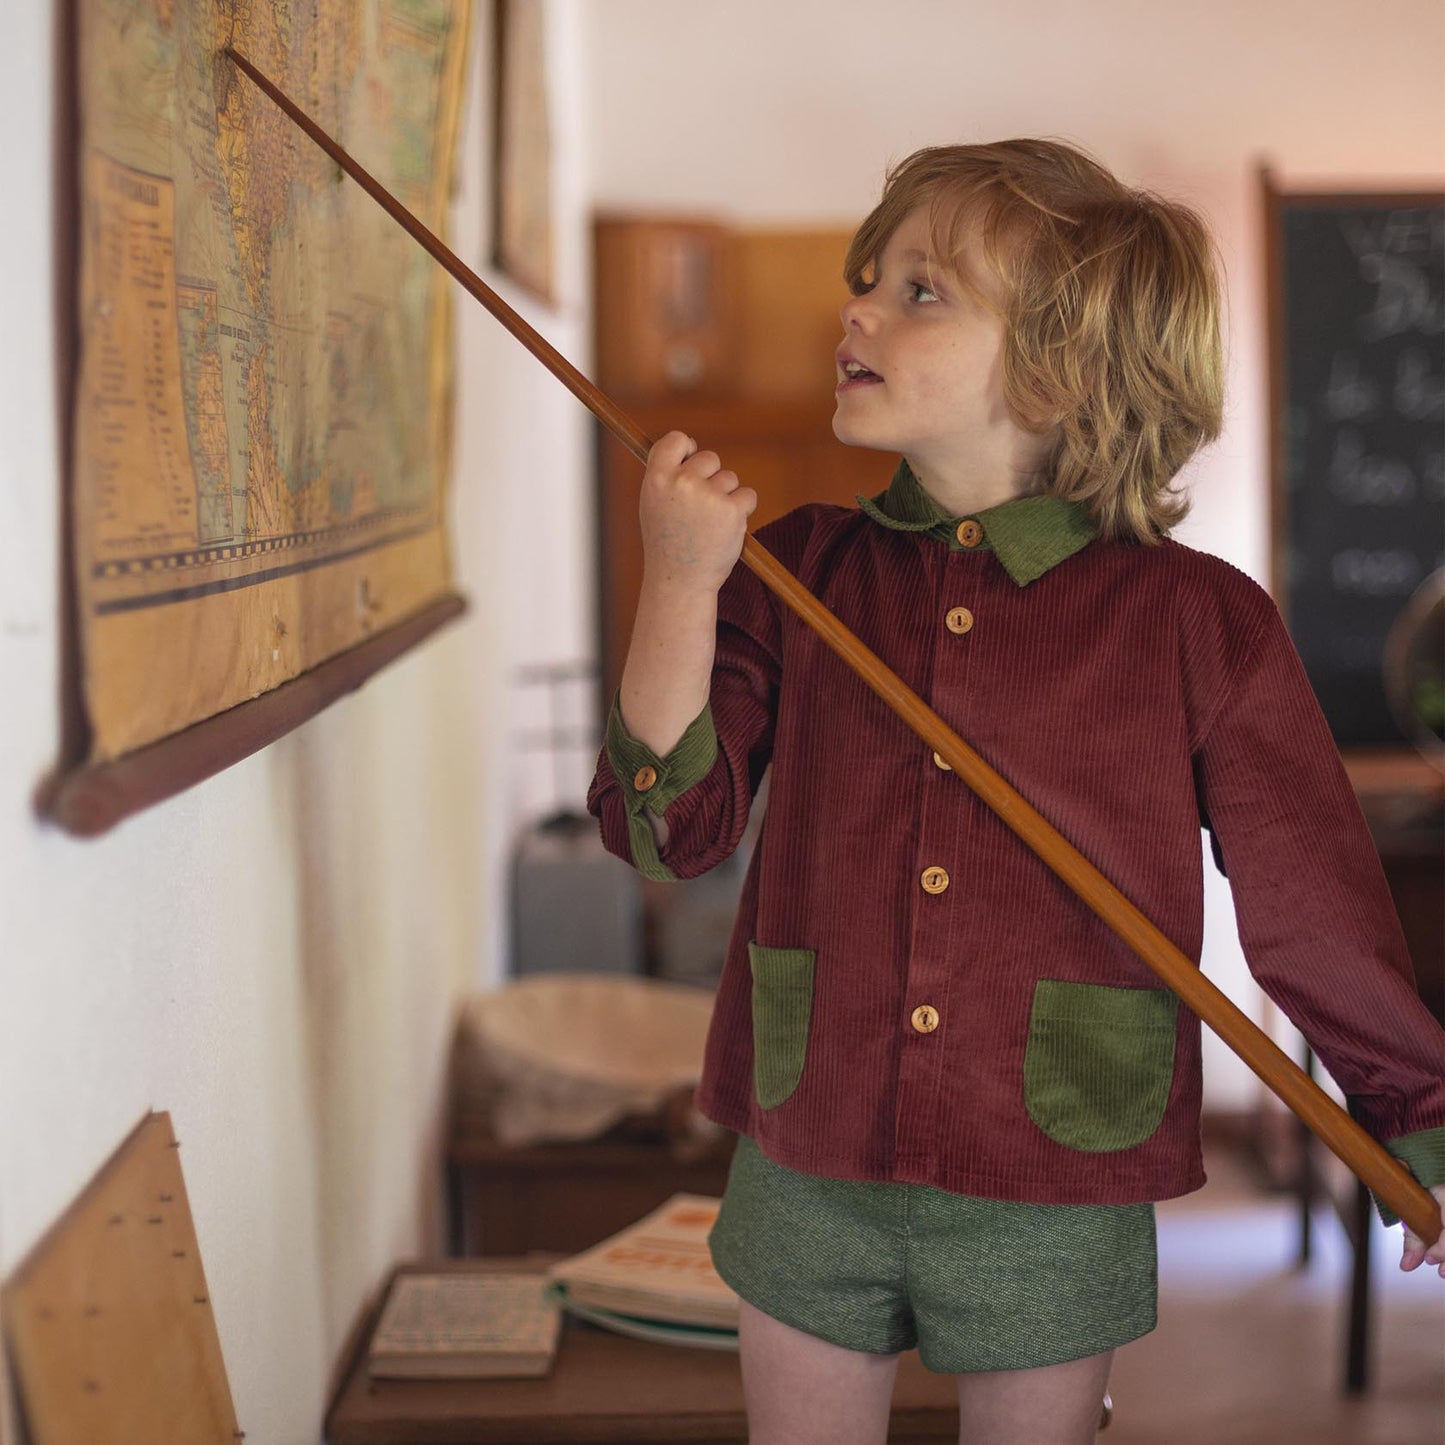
(1029, 535)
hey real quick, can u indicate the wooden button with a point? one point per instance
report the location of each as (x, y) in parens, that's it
(934, 880)
(968, 532)
(925, 1018)
(940, 761)
(644, 778)
(959, 620)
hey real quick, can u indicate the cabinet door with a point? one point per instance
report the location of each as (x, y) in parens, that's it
(665, 306)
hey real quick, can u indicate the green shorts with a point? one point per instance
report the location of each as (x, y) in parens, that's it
(975, 1284)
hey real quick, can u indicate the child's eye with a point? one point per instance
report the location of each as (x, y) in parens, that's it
(921, 291)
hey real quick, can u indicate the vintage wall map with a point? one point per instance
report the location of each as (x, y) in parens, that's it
(264, 398)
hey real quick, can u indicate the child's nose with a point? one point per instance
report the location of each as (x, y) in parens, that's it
(855, 312)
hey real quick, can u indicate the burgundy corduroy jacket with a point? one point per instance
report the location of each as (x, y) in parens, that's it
(910, 994)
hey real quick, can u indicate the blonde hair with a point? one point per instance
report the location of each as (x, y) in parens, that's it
(1112, 311)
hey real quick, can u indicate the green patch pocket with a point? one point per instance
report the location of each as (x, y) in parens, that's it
(782, 1010)
(1099, 1063)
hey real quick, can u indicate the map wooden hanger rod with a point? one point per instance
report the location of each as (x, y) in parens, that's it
(1386, 1176)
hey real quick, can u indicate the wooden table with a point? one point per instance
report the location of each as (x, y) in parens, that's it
(603, 1389)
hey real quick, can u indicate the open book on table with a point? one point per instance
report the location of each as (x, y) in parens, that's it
(655, 1272)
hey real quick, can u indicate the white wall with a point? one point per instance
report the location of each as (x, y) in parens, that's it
(274, 956)
(523, 497)
(789, 111)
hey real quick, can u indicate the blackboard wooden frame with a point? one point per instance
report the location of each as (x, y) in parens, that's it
(1275, 200)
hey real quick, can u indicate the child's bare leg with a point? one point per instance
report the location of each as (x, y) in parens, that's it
(1048, 1405)
(801, 1390)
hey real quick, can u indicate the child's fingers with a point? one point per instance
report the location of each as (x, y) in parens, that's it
(1436, 1253)
(724, 481)
(693, 513)
(1415, 1252)
(671, 450)
(744, 499)
(678, 453)
(707, 468)
(703, 466)
(1413, 1255)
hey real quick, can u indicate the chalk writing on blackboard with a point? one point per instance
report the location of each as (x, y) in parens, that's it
(1362, 480)
(1360, 504)
(1387, 572)
(1419, 392)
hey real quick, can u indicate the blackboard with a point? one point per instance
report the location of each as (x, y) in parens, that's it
(1357, 343)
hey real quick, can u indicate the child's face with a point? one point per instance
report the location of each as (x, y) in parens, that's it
(920, 366)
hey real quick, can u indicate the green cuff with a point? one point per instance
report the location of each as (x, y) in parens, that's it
(663, 780)
(1423, 1154)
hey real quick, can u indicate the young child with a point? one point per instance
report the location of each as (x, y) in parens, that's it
(959, 1093)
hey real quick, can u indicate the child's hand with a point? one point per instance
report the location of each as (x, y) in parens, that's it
(694, 516)
(1415, 1252)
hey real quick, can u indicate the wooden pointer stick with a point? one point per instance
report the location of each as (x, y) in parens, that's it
(1389, 1178)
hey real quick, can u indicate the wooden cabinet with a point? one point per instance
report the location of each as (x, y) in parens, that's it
(662, 290)
(728, 335)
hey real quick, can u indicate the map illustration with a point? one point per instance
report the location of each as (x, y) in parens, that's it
(263, 409)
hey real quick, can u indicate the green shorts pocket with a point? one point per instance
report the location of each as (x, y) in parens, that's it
(782, 1009)
(1099, 1063)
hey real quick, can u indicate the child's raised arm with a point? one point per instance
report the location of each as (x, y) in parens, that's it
(694, 517)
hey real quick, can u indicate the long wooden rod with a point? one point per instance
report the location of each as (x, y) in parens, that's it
(1389, 1178)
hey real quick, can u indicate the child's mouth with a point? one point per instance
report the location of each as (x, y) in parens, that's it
(856, 374)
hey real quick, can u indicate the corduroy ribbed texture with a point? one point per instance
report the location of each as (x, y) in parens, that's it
(1099, 1062)
(1128, 692)
(1424, 1155)
(1029, 534)
(782, 1007)
(680, 770)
